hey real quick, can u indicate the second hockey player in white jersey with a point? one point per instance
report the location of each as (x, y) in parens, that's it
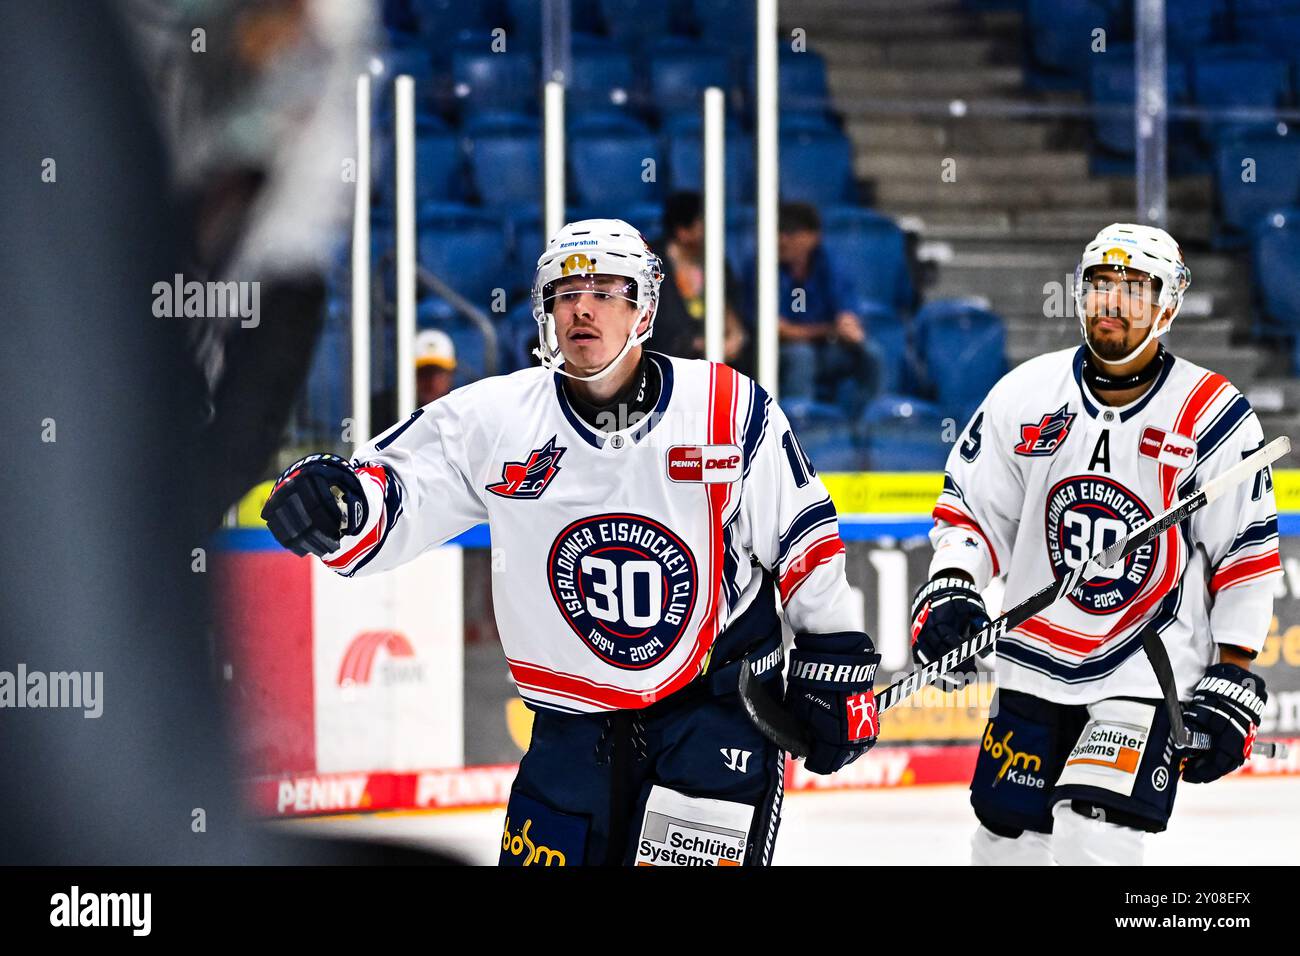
(648, 513)
(1068, 452)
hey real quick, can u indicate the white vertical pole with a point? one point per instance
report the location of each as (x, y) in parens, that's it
(361, 272)
(715, 224)
(553, 158)
(404, 134)
(765, 137)
(1151, 113)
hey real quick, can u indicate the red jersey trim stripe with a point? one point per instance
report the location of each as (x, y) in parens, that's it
(808, 561)
(962, 520)
(1247, 569)
(1200, 398)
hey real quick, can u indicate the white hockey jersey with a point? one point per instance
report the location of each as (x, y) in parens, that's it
(1045, 474)
(619, 557)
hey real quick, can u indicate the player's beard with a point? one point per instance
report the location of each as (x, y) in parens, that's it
(1112, 347)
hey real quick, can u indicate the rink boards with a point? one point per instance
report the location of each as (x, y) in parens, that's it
(354, 694)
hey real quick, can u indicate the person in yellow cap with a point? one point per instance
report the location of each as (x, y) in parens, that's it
(435, 365)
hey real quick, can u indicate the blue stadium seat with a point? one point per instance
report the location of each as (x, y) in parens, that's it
(905, 434)
(1234, 77)
(741, 240)
(633, 21)
(603, 122)
(1190, 24)
(525, 17)
(601, 77)
(827, 435)
(524, 227)
(818, 121)
(889, 331)
(870, 250)
(506, 169)
(686, 159)
(483, 80)
(607, 169)
(801, 82)
(1114, 83)
(1272, 24)
(387, 64)
(679, 73)
(801, 86)
(501, 123)
(465, 248)
(471, 351)
(324, 404)
(1276, 261)
(726, 23)
(439, 166)
(516, 337)
(1276, 179)
(1060, 34)
(681, 17)
(691, 123)
(836, 452)
(439, 19)
(962, 349)
(816, 167)
(686, 122)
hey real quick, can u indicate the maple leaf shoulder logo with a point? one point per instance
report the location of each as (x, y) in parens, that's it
(1041, 439)
(529, 478)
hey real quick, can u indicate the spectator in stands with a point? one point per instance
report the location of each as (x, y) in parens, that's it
(435, 366)
(825, 354)
(679, 322)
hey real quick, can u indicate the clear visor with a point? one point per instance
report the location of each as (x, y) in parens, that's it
(602, 288)
(1133, 284)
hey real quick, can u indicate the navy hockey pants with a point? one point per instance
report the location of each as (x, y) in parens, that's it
(687, 781)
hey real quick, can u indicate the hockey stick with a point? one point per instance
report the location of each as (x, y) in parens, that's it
(788, 733)
(1183, 738)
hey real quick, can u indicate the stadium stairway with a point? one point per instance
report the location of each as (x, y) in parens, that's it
(1023, 203)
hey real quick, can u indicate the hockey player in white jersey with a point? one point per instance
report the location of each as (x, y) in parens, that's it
(646, 512)
(1068, 452)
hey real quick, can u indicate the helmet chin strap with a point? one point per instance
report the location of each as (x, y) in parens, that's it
(1151, 334)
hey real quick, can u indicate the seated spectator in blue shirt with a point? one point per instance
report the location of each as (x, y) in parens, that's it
(825, 354)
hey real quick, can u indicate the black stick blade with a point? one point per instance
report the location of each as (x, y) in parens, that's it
(775, 722)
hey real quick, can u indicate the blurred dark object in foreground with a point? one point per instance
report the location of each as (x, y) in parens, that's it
(103, 419)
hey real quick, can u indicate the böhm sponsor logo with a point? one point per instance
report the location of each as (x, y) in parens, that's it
(1018, 766)
(521, 844)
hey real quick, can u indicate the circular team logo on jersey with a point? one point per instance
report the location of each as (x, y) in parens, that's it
(626, 585)
(1084, 515)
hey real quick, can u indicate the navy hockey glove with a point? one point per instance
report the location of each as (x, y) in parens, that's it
(829, 690)
(316, 501)
(1227, 704)
(945, 611)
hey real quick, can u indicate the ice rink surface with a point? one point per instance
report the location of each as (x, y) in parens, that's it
(1237, 821)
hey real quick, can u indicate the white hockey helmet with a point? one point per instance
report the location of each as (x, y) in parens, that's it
(595, 247)
(1144, 248)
